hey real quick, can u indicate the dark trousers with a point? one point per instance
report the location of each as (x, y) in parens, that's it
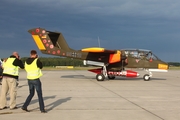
(35, 84)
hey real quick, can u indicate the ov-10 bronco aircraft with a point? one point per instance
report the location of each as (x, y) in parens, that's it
(111, 62)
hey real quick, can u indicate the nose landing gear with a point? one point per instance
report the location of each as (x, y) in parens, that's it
(147, 77)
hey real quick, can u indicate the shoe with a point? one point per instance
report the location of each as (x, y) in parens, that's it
(3, 108)
(25, 109)
(14, 108)
(43, 111)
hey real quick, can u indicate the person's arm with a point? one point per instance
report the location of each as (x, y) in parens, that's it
(39, 64)
(1, 72)
(19, 63)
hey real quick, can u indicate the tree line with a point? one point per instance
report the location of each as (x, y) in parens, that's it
(176, 64)
(58, 61)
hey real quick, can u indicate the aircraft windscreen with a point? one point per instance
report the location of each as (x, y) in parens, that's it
(154, 57)
(141, 54)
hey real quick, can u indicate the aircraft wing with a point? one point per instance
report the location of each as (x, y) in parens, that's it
(98, 50)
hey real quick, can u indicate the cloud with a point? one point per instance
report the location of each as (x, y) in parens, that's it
(147, 24)
(163, 8)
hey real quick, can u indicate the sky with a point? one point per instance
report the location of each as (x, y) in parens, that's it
(118, 24)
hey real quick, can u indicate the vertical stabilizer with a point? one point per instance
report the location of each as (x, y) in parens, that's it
(58, 40)
(50, 42)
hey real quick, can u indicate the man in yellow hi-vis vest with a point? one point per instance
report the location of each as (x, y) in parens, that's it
(33, 68)
(10, 80)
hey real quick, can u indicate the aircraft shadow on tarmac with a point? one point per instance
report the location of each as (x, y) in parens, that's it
(20, 86)
(36, 100)
(117, 78)
(56, 103)
(133, 79)
(75, 76)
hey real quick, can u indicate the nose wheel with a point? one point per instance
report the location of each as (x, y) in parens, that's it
(146, 77)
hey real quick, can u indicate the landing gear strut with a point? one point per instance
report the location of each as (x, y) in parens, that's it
(103, 75)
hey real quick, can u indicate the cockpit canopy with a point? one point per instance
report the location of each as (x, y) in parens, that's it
(140, 54)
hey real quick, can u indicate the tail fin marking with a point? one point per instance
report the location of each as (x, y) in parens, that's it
(38, 42)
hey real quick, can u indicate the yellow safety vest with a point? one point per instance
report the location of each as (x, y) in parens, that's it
(33, 72)
(9, 68)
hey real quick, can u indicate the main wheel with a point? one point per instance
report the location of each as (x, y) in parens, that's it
(146, 77)
(100, 77)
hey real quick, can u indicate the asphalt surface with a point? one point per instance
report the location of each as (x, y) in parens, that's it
(76, 95)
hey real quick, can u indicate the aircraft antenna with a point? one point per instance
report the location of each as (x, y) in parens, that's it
(99, 41)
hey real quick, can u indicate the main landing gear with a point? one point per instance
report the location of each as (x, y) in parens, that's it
(100, 77)
(103, 73)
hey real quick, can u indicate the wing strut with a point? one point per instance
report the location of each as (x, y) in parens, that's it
(104, 71)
